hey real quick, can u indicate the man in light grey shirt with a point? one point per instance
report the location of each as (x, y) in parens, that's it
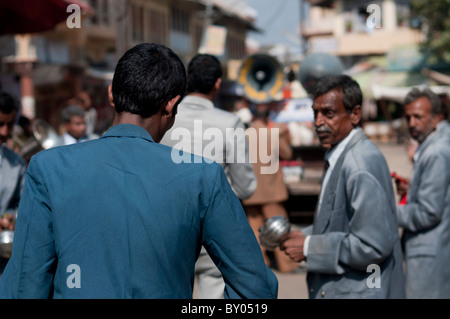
(204, 130)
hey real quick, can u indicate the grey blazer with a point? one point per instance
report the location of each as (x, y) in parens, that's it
(228, 150)
(426, 221)
(12, 175)
(355, 228)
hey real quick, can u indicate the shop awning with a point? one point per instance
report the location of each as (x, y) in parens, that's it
(24, 16)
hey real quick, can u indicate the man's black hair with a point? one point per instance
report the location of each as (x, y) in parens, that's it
(351, 92)
(146, 77)
(203, 72)
(7, 103)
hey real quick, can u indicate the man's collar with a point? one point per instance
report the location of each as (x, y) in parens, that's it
(198, 101)
(423, 145)
(332, 155)
(128, 130)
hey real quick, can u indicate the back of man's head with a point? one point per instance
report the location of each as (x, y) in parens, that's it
(146, 77)
(7, 103)
(203, 72)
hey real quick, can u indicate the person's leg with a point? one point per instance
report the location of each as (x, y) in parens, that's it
(210, 284)
(256, 220)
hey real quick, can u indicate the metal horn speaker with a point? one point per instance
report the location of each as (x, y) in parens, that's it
(261, 78)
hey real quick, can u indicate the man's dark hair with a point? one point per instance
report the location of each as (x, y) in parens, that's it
(69, 111)
(146, 77)
(203, 72)
(351, 92)
(7, 103)
(435, 101)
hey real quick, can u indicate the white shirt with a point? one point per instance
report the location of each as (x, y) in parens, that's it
(69, 139)
(332, 157)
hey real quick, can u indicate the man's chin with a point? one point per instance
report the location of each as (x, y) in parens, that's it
(325, 143)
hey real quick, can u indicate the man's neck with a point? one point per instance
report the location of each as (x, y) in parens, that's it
(149, 124)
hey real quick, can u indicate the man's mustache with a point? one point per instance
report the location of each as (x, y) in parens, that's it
(323, 129)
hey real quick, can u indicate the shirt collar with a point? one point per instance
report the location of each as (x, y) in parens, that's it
(128, 130)
(1, 153)
(198, 101)
(332, 155)
(422, 145)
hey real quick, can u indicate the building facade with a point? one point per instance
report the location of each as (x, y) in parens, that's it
(56, 65)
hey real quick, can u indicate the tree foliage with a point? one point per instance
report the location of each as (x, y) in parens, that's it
(433, 18)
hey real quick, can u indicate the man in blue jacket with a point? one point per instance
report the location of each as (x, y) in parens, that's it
(118, 218)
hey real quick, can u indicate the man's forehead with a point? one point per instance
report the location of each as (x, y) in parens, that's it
(421, 105)
(330, 100)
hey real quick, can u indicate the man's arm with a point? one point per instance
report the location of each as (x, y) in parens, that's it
(30, 271)
(238, 167)
(426, 211)
(233, 247)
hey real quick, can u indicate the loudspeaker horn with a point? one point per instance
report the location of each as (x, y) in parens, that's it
(261, 78)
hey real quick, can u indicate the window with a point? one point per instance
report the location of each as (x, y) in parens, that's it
(180, 21)
(137, 22)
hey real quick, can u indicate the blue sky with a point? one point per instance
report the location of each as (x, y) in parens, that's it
(279, 19)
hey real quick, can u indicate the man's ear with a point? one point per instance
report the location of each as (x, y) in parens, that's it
(110, 96)
(355, 115)
(169, 107)
(218, 84)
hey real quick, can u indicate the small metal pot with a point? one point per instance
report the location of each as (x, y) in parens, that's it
(6, 242)
(274, 231)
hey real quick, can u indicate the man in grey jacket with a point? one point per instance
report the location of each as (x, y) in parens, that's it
(425, 217)
(202, 129)
(352, 250)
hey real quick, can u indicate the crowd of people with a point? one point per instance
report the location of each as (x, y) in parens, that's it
(118, 214)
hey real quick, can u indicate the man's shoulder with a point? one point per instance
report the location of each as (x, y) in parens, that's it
(439, 146)
(365, 155)
(71, 152)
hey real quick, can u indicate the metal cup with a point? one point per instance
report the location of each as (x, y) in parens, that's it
(6, 242)
(274, 231)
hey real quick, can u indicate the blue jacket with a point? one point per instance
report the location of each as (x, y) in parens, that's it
(117, 218)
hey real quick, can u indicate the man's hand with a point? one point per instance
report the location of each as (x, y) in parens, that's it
(7, 222)
(402, 186)
(293, 246)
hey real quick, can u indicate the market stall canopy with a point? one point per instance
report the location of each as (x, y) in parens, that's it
(24, 16)
(398, 94)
